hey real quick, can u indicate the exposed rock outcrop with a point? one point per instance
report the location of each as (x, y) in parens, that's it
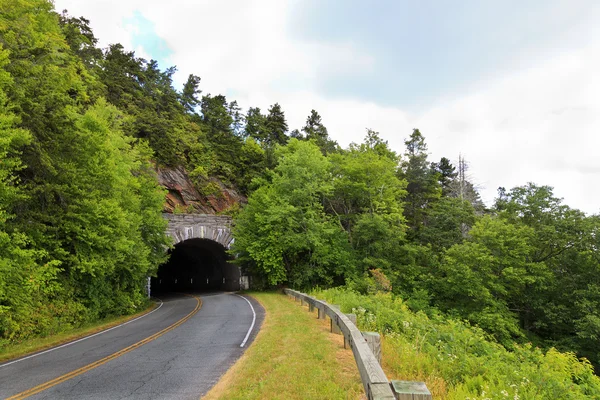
(185, 197)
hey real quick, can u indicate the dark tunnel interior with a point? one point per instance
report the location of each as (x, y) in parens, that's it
(196, 265)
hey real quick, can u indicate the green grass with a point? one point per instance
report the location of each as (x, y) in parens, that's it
(293, 357)
(34, 345)
(458, 361)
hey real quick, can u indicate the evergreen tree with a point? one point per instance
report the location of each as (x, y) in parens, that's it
(237, 118)
(81, 39)
(189, 95)
(256, 125)
(446, 174)
(296, 134)
(315, 130)
(276, 126)
(218, 123)
(423, 186)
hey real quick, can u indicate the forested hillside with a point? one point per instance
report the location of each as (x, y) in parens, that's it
(525, 270)
(83, 131)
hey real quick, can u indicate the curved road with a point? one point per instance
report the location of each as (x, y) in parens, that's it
(178, 351)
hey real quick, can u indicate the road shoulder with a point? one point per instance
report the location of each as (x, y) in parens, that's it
(293, 356)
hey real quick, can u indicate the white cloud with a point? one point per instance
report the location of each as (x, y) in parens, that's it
(536, 123)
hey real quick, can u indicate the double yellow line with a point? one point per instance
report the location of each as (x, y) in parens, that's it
(89, 367)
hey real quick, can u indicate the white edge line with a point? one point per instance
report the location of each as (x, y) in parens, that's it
(80, 340)
(253, 320)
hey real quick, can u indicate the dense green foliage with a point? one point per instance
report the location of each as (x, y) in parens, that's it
(80, 222)
(458, 361)
(365, 217)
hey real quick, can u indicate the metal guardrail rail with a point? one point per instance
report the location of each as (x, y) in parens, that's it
(375, 382)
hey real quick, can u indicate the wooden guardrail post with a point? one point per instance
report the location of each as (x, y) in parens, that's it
(321, 309)
(352, 318)
(335, 328)
(374, 341)
(406, 390)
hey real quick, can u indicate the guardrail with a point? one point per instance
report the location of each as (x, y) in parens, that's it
(376, 384)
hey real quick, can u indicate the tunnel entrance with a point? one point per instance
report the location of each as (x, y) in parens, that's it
(196, 265)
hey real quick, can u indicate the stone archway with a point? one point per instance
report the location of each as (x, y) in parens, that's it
(200, 226)
(192, 236)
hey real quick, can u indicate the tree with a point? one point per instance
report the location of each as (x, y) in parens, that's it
(423, 187)
(217, 123)
(446, 174)
(15, 257)
(276, 126)
(367, 200)
(448, 223)
(283, 234)
(315, 130)
(252, 161)
(146, 94)
(81, 39)
(557, 227)
(123, 74)
(462, 188)
(296, 134)
(189, 95)
(256, 125)
(563, 307)
(87, 227)
(237, 117)
(486, 278)
(365, 183)
(374, 142)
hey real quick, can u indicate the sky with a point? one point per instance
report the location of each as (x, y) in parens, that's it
(513, 86)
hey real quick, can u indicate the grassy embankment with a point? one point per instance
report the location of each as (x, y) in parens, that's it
(294, 356)
(36, 344)
(458, 361)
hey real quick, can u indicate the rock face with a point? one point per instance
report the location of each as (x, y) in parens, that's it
(184, 197)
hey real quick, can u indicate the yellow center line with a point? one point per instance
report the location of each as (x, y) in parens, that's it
(89, 367)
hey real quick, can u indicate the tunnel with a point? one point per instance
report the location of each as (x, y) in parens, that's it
(196, 265)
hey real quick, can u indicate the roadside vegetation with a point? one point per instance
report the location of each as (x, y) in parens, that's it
(459, 361)
(294, 356)
(37, 344)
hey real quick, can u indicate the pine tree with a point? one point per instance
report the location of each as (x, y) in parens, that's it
(423, 186)
(256, 125)
(446, 174)
(276, 126)
(189, 96)
(315, 130)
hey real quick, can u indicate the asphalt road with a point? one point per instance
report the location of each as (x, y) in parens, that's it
(179, 351)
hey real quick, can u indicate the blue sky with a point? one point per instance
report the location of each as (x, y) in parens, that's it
(144, 36)
(511, 85)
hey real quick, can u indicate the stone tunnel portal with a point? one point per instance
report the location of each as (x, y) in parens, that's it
(197, 265)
